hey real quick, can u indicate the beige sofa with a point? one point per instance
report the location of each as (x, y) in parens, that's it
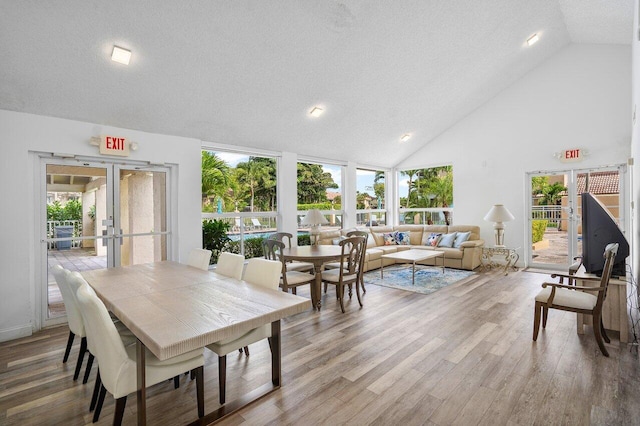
(467, 256)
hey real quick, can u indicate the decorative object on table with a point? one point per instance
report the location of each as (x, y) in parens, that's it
(314, 218)
(499, 214)
(427, 279)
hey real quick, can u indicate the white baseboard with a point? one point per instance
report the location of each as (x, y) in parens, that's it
(15, 332)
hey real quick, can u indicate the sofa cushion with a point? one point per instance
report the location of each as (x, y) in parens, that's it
(447, 240)
(388, 249)
(461, 237)
(389, 238)
(475, 230)
(432, 239)
(403, 238)
(374, 254)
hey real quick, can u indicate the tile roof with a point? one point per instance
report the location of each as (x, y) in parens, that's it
(600, 182)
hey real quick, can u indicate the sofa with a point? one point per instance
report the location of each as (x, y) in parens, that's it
(390, 239)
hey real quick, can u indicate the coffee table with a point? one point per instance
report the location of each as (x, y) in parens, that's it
(413, 256)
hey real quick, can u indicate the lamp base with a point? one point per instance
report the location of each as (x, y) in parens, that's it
(499, 236)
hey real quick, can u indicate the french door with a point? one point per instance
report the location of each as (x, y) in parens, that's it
(99, 215)
(554, 219)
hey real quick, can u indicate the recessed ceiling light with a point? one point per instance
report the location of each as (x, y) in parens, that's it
(532, 40)
(405, 137)
(121, 55)
(316, 112)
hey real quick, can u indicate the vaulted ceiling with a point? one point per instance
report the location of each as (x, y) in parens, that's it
(247, 72)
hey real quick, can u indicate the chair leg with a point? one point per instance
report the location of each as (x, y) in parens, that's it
(325, 286)
(119, 413)
(536, 320)
(96, 414)
(598, 334)
(88, 369)
(246, 350)
(222, 378)
(351, 290)
(604, 332)
(69, 344)
(364, 290)
(269, 341)
(199, 372)
(340, 294)
(83, 349)
(96, 391)
(176, 382)
(293, 290)
(358, 294)
(241, 350)
(545, 313)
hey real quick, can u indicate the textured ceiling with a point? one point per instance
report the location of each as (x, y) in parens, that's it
(247, 72)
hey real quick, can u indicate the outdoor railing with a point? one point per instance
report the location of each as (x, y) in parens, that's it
(77, 232)
(426, 216)
(552, 214)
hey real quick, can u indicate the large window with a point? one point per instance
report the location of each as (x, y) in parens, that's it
(238, 202)
(370, 202)
(320, 187)
(426, 196)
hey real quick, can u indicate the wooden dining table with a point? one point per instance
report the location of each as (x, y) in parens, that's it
(173, 308)
(318, 255)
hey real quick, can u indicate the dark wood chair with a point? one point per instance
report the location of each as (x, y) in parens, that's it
(288, 279)
(574, 298)
(350, 270)
(286, 237)
(336, 265)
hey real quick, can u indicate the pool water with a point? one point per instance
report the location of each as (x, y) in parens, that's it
(247, 235)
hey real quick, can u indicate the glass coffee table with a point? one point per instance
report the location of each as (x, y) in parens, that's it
(413, 256)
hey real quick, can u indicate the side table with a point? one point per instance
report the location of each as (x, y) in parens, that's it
(510, 256)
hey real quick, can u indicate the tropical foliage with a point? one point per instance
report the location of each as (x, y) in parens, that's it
(545, 193)
(431, 187)
(72, 210)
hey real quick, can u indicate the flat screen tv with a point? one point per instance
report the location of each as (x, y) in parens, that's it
(599, 228)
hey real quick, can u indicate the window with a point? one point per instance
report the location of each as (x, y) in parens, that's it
(320, 187)
(238, 202)
(426, 196)
(370, 202)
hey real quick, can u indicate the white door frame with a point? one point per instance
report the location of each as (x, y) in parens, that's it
(112, 167)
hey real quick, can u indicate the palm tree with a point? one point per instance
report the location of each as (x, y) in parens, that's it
(251, 174)
(215, 176)
(410, 174)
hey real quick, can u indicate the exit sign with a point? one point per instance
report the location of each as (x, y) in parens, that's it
(114, 145)
(572, 155)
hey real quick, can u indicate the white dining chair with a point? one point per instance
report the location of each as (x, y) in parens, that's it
(262, 272)
(199, 258)
(230, 265)
(118, 362)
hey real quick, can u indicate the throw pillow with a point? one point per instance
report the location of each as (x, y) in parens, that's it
(336, 241)
(403, 238)
(447, 240)
(433, 239)
(461, 238)
(389, 238)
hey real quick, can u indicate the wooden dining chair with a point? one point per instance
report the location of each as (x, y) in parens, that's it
(574, 298)
(289, 279)
(336, 265)
(262, 272)
(293, 265)
(350, 270)
(118, 362)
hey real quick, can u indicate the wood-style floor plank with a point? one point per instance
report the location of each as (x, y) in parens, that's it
(461, 356)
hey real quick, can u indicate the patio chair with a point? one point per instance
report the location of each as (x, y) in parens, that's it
(256, 223)
(575, 298)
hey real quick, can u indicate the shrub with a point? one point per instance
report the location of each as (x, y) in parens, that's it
(304, 240)
(538, 227)
(214, 237)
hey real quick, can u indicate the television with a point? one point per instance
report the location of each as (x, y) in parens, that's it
(599, 228)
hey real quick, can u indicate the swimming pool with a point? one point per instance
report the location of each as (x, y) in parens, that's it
(263, 235)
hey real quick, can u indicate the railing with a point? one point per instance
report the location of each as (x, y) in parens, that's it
(77, 231)
(426, 216)
(243, 226)
(552, 214)
(371, 217)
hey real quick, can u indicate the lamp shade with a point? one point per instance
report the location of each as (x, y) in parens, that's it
(499, 213)
(314, 218)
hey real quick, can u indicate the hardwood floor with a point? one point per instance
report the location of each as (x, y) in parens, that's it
(460, 356)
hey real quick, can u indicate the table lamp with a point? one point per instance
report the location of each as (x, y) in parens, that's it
(314, 219)
(499, 214)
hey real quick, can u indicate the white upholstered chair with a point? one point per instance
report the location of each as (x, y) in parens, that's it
(574, 298)
(199, 258)
(262, 272)
(118, 362)
(230, 265)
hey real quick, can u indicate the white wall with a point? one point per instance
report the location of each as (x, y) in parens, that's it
(635, 144)
(21, 133)
(579, 98)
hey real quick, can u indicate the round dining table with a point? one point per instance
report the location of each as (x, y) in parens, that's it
(318, 255)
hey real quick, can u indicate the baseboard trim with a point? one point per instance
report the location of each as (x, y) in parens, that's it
(16, 332)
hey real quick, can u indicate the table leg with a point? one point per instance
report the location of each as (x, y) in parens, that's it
(382, 269)
(316, 290)
(142, 388)
(442, 263)
(276, 351)
(413, 274)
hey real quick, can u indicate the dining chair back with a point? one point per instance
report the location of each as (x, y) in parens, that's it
(574, 298)
(289, 279)
(230, 265)
(350, 270)
(296, 265)
(118, 363)
(199, 258)
(262, 272)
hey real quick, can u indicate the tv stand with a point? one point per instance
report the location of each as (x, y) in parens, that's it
(615, 315)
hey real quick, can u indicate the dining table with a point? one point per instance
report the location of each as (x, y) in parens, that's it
(173, 308)
(318, 255)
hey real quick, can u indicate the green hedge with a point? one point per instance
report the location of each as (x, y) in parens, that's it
(537, 230)
(319, 206)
